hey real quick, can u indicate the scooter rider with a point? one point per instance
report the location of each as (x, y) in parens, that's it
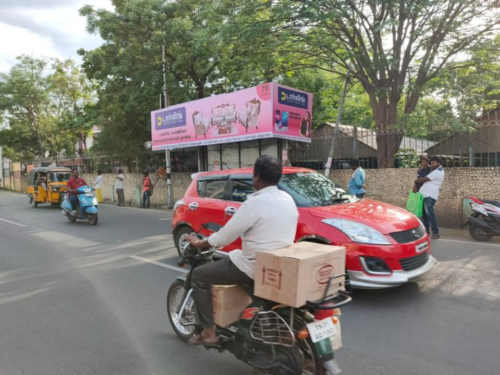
(74, 183)
(267, 220)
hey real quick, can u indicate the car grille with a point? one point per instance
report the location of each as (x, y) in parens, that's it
(412, 263)
(408, 236)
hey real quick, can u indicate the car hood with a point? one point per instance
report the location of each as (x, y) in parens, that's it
(383, 217)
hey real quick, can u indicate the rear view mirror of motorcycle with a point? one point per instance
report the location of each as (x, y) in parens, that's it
(214, 227)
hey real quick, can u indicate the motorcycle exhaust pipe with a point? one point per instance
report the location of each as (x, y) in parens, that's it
(482, 225)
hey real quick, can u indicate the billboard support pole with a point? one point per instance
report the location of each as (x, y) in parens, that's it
(167, 152)
(337, 126)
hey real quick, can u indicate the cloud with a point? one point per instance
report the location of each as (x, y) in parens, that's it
(44, 28)
(36, 4)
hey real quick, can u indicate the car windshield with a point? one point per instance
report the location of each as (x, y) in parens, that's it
(59, 176)
(311, 189)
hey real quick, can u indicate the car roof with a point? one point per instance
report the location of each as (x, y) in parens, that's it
(247, 171)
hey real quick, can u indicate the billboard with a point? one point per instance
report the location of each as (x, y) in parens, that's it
(266, 111)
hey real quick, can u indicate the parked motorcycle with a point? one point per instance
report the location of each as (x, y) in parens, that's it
(272, 338)
(484, 222)
(87, 206)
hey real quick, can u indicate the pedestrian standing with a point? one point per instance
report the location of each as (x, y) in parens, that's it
(357, 180)
(98, 187)
(119, 188)
(430, 191)
(423, 171)
(146, 195)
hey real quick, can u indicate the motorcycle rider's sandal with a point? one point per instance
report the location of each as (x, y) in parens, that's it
(198, 340)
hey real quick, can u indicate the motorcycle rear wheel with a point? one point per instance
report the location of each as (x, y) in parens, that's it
(478, 234)
(291, 360)
(311, 363)
(175, 297)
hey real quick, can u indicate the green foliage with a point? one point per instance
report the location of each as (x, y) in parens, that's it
(35, 98)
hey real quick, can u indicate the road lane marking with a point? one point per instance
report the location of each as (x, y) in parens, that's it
(146, 260)
(469, 243)
(165, 219)
(14, 223)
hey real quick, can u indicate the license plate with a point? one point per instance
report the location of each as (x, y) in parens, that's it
(321, 330)
(422, 246)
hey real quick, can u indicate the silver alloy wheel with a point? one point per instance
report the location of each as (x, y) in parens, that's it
(175, 302)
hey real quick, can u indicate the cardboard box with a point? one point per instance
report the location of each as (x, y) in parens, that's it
(299, 273)
(229, 301)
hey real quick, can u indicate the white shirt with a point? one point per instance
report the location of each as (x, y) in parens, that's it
(98, 182)
(430, 189)
(267, 220)
(119, 183)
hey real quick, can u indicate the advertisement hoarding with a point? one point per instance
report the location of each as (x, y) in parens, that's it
(266, 111)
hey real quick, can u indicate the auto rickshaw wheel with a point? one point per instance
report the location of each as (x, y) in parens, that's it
(33, 202)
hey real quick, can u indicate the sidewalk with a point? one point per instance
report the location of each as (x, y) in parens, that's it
(463, 235)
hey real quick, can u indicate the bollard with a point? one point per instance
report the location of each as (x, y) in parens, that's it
(138, 196)
(112, 194)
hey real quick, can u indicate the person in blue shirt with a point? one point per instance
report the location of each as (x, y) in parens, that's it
(357, 180)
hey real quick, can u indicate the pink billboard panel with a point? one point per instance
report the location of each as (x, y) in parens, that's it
(266, 111)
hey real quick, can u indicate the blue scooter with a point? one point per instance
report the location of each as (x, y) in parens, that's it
(87, 208)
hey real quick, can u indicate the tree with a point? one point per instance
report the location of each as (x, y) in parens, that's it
(128, 66)
(393, 48)
(36, 97)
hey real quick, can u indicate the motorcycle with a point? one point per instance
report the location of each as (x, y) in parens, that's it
(87, 206)
(484, 222)
(272, 338)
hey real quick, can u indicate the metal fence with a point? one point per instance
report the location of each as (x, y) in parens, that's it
(472, 147)
(182, 160)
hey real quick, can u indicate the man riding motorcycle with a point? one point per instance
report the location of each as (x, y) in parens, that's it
(267, 220)
(72, 185)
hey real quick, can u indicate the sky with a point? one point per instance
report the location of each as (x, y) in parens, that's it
(51, 28)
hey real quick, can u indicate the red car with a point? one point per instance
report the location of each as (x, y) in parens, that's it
(386, 245)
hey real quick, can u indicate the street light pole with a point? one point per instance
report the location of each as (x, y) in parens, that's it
(337, 126)
(165, 105)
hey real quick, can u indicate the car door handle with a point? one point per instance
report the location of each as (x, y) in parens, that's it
(193, 206)
(230, 211)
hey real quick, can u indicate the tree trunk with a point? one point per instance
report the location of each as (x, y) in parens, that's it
(388, 137)
(200, 89)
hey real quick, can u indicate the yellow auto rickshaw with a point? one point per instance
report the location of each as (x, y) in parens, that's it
(47, 185)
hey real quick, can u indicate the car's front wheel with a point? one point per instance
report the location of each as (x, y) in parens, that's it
(180, 239)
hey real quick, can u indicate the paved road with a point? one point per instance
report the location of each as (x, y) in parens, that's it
(77, 299)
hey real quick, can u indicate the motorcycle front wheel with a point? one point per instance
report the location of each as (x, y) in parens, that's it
(93, 218)
(175, 298)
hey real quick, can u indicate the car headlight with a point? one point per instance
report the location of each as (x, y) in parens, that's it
(358, 232)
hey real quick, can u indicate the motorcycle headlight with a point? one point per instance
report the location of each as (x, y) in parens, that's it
(358, 232)
(94, 201)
